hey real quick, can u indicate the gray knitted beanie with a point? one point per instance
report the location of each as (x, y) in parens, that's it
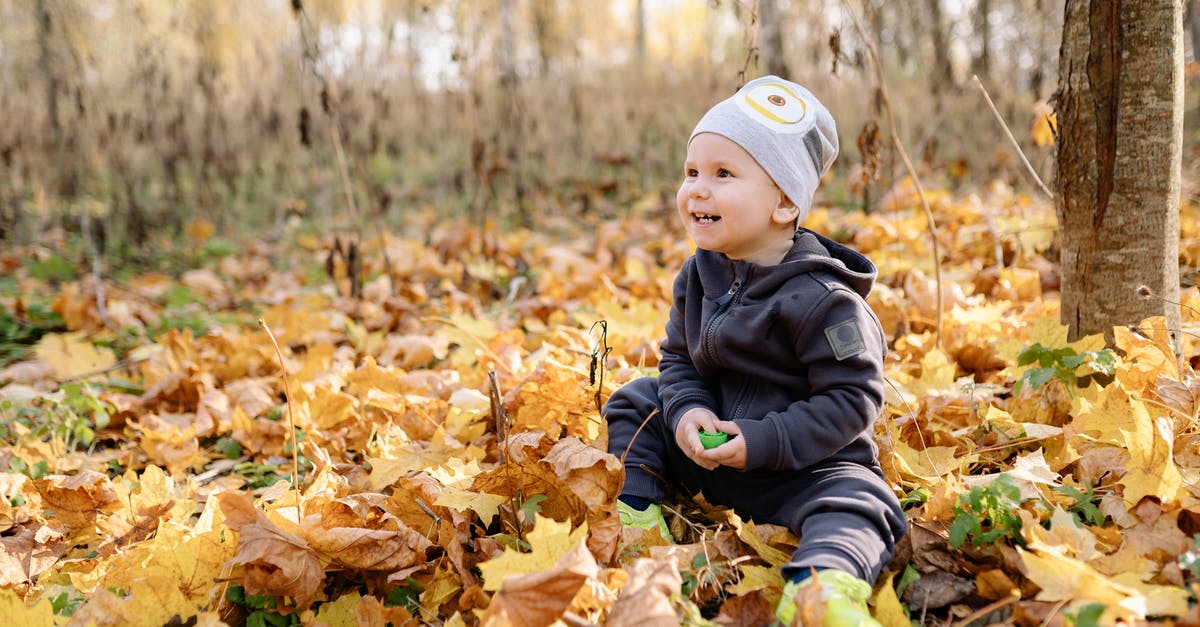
(784, 127)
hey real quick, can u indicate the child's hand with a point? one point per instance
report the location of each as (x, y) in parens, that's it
(732, 453)
(687, 434)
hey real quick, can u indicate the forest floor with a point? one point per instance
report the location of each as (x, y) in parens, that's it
(444, 430)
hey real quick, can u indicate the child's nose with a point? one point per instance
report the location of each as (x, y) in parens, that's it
(698, 188)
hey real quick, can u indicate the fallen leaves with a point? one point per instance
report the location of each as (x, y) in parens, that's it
(413, 508)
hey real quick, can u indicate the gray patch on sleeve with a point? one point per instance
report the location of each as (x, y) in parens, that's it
(845, 339)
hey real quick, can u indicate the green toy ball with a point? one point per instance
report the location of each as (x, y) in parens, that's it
(713, 439)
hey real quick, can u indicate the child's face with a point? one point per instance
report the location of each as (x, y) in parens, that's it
(729, 204)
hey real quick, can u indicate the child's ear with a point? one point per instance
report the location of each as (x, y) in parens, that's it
(786, 212)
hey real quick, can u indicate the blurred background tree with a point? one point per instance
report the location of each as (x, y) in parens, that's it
(145, 115)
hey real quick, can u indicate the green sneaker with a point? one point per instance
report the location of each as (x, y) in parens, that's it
(845, 597)
(649, 519)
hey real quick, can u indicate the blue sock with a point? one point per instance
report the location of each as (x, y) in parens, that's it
(806, 572)
(636, 502)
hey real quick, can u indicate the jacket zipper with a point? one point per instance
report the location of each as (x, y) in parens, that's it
(741, 401)
(725, 303)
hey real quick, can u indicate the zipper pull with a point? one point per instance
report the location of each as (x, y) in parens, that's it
(733, 290)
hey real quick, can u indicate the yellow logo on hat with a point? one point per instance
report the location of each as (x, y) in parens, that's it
(777, 103)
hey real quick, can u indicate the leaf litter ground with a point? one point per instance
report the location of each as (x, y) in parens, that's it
(452, 465)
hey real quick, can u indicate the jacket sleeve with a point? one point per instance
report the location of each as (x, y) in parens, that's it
(841, 347)
(680, 385)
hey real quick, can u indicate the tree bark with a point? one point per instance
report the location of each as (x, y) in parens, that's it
(639, 33)
(46, 62)
(1193, 15)
(983, 61)
(1120, 113)
(943, 76)
(770, 36)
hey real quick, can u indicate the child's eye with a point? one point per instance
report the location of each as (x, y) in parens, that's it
(723, 173)
(691, 173)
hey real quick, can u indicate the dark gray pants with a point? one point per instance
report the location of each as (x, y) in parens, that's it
(844, 513)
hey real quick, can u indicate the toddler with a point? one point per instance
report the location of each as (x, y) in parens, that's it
(771, 342)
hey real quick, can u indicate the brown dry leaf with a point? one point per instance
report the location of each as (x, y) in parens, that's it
(253, 396)
(539, 596)
(752, 608)
(355, 532)
(206, 285)
(595, 478)
(28, 554)
(371, 612)
(554, 398)
(810, 607)
(77, 501)
(273, 561)
(412, 351)
(24, 372)
(259, 435)
(1181, 395)
(169, 440)
(646, 597)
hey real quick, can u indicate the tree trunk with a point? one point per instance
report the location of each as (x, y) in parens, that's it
(1193, 15)
(1120, 116)
(639, 33)
(943, 74)
(770, 36)
(982, 63)
(49, 69)
(1038, 77)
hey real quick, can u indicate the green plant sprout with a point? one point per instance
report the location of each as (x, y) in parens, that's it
(988, 513)
(1061, 363)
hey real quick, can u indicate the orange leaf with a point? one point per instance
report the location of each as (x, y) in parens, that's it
(273, 561)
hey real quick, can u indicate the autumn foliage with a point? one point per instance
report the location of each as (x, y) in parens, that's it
(452, 467)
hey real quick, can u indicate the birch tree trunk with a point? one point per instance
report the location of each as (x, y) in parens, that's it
(1120, 115)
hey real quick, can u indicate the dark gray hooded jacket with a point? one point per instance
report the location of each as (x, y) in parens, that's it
(791, 352)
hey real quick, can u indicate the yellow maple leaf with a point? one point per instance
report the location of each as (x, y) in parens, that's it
(1151, 470)
(888, 610)
(1064, 537)
(747, 531)
(1145, 358)
(171, 575)
(1107, 417)
(925, 466)
(485, 505)
(16, 612)
(72, 355)
(758, 578)
(937, 375)
(1067, 579)
(1156, 600)
(340, 611)
(455, 472)
(441, 589)
(471, 334)
(548, 542)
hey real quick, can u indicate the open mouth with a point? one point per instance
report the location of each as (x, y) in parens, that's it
(704, 218)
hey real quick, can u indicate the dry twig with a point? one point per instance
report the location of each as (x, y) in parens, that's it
(1028, 166)
(287, 391)
(912, 172)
